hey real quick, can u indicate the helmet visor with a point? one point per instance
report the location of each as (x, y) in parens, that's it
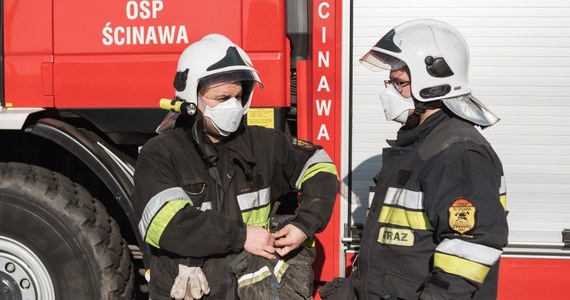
(377, 61)
(229, 76)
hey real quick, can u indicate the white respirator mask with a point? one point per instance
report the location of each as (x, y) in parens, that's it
(226, 116)
(395, 105)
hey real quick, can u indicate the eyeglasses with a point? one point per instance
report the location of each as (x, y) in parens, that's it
(398, 85)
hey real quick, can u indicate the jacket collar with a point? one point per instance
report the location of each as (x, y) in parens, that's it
(236, 143)
(417, 134)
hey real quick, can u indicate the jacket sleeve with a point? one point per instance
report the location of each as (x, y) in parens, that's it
(465, 201)
(167, 218)
(311, 172)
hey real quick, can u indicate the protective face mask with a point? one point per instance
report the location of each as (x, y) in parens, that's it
(226, 116)
(395, 106)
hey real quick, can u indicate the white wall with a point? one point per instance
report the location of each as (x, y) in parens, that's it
(520, 68)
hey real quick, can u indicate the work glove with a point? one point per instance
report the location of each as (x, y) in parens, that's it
(338, 289)
(190, 284)
(256, 278)
(297, 280)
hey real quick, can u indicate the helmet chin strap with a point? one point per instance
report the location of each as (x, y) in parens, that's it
(420, 108)
(414, 119)
(210, 157)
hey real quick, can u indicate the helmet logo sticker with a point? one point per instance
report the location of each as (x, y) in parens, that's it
(232, 58)
(387, 42)
(462, 215)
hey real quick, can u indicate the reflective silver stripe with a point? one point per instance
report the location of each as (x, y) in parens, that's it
(254, 277)
(404, 198)
(205, 206)
(280, 269)
(157, 202)
(473, 252)
(255, 199)
(503, 188)
(319, 156)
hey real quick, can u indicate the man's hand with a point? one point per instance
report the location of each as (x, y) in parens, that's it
(259, 241)
(288, 239)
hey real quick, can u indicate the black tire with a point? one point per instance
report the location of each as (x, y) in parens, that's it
(59, 238)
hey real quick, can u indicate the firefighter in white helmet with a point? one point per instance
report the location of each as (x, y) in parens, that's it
(205, 189)
(437, 223)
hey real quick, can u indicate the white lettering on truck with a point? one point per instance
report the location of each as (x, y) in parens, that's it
(143, 35)
(323, 106)
(144, 9)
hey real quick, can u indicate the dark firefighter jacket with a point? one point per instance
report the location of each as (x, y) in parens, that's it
(184, 212)
(437, 222)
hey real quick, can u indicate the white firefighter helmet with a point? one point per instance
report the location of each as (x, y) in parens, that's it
(211, 61)
(437, 56)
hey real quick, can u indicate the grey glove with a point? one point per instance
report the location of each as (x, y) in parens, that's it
(190, 284)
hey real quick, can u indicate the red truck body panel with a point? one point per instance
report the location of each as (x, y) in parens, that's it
(109, 54)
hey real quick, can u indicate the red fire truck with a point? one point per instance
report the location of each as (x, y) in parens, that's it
(79, 92)
(81, 83)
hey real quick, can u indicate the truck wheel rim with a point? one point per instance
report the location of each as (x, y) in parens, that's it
(22, 274)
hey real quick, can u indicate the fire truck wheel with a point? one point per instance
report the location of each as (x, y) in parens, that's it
(57, 241)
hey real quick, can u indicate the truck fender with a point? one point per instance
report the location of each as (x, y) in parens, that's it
(113, 170)
(15, 118)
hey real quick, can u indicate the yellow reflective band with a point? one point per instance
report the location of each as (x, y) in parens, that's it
(309, 243)
(257, 217)
(315, 169)
(161, 220)
(503, 199)
(280, 269)
(407, 218)
(252, 278)
(460, 266)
